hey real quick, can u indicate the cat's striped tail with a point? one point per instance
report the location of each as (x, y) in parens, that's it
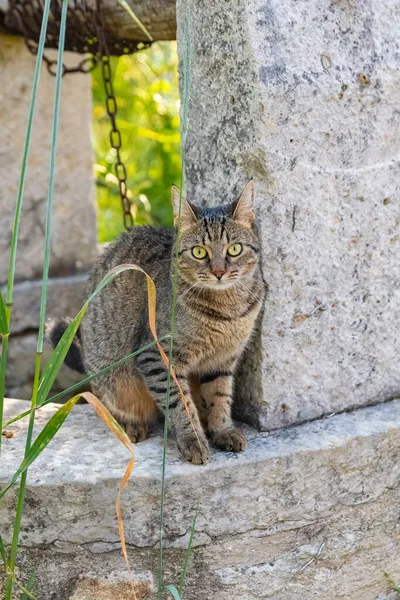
(55, 329)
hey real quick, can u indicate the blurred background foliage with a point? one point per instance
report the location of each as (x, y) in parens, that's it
(146, 89)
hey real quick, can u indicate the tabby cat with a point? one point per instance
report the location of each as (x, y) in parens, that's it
(220, 291)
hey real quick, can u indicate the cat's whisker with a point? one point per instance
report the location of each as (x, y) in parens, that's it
(198, 283)
(180, 306)
(247, 288)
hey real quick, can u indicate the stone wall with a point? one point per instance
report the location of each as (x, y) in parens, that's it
(74, 234)
(305, 512)
(303, 97)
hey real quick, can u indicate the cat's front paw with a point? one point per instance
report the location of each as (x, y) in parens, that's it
(229, 440)
(137, 432)
(194, 448)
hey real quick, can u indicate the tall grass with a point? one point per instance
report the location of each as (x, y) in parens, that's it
(185, 100)
(43, 381)
(46, 263)
(6, 310)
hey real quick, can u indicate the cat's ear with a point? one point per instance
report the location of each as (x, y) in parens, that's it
(188, 215)
(243, 209)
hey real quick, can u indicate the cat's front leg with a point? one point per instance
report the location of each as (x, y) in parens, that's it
(185, 422)
(216, 395)
(186, 426)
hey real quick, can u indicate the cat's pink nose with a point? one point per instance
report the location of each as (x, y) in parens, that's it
(218, 273)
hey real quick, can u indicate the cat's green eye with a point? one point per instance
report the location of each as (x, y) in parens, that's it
(199, 252)
(234, 249)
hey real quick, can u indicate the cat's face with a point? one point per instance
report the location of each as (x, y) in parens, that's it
(219, 247)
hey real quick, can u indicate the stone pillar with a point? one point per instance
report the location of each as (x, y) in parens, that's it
(74, 224)
(304, 98)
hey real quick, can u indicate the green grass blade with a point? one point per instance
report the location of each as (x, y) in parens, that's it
(3, 317)
(393, 585)
(3, 366)
(187, 555)
(57, 358)
(42, 440)
(21, 493)
(83, 382)
(20, 197)
(3, 553)
(59, 354)
(172, 589)
(49, 207)
(26, 593)
(138, 22)
(50, 192)
(105, 370)
(112, 274)
(21, 187)
(186, 96)
(28, 588)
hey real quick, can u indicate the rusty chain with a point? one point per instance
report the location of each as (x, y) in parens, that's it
(116, 141)
(86, 34)
(111, 107)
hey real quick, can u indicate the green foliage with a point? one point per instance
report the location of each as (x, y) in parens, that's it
(3, 553)
(146, 89)
(3, 317)
(29, 586)
(395, 587)
(57, 358)
(187, 555)
(172, 589)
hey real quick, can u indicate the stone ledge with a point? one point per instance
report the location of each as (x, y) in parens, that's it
(307, 511)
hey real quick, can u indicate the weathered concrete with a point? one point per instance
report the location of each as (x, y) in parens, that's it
(158, 16)
(113, 586)
(74, 224)
(74, 234)
(66, 296)
(306, 512)
(303, 97)
(21, 367)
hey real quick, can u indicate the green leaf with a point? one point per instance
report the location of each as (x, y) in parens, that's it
(29, 586)
(43, 439)
(172, 589)
(135, 18)
(3, 552)
(3, 317)
(87, 379)
(57, 358)
(187, 554)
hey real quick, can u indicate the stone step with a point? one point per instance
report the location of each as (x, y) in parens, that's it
(309, 511)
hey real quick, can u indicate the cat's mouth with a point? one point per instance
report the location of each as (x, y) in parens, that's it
(220, 284)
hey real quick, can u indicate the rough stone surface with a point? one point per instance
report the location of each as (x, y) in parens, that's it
(74, 225)
(158, 16)
(65, 296)
(21, 367)
(309, 511)
(115, 586)
(303, 97)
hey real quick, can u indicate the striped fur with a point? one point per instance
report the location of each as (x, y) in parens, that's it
(218, 300)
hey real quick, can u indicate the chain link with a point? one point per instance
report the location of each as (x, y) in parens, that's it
(111, 108)
(85, 34)
(116, 141)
